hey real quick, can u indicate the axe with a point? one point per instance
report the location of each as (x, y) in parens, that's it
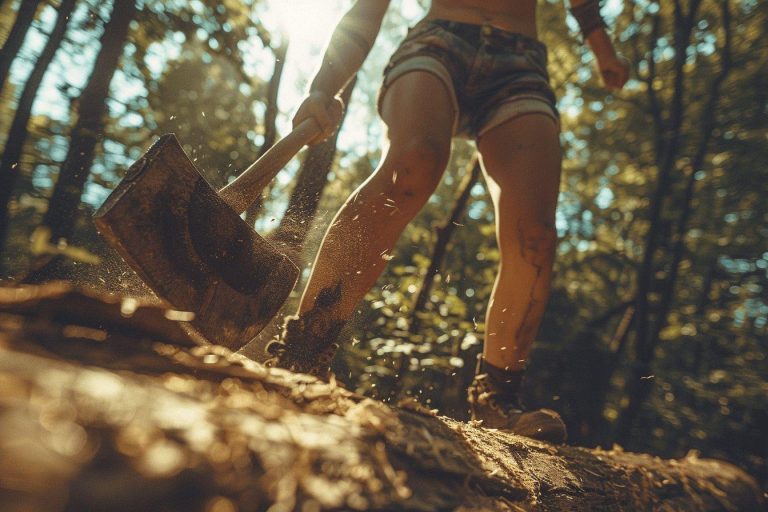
(189, 244)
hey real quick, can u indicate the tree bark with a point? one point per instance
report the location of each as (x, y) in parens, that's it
(61, 215)
(108, 415)
(10, 165)
(24, 18)
(310, 181)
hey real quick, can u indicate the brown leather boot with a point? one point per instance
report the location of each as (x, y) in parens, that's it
(300, 349)
(500, 408)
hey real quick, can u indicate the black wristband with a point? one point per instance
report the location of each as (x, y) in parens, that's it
(588, 17)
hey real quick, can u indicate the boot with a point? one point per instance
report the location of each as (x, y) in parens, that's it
(305, 346)
(493, 399)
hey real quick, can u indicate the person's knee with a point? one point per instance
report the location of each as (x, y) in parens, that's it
(536, 242)
(414, 169)
(420, 159)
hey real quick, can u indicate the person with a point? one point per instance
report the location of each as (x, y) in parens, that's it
(469, 68)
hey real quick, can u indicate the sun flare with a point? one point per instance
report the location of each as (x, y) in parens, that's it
(307, 23)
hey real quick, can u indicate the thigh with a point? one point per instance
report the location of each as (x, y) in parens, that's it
(418, 107)
(522, 160)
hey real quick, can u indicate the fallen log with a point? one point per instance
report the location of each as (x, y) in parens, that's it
(99, 412)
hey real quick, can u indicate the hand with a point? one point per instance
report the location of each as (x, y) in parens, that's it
(614, 69)
(322, 108)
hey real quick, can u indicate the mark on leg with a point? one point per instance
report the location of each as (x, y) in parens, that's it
(329, 296)
(537, 247)
(537, 243)
(320, 321)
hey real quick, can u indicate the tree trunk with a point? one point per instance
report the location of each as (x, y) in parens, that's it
(24, 18)
(443, 233)
(10, 165)
(443, 238)
(310, 182)
(106, 413)
(270, 116)
(88, 130)
(270, 119)
(649, 324)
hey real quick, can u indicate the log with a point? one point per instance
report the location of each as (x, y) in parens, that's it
(112, 416)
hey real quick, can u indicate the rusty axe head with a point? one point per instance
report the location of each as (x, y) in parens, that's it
(192, 249)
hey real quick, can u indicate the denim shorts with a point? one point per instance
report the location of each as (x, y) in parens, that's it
(492, 75)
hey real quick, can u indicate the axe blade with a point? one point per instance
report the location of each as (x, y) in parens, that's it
(193, 250)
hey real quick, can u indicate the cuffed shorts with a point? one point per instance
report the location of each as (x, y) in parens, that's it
(492, 75)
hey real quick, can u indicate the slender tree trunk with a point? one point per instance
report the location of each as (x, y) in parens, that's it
(270, 121)
(270, 116)
(310, 182)
(92, 107)
(24, 18)
(10, 166)
(444, 234)
(707, 124)
(667, 148)
(648, 327)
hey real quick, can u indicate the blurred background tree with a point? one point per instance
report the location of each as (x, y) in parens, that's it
(656, 333)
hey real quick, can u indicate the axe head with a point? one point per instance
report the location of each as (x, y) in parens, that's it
(193, 250)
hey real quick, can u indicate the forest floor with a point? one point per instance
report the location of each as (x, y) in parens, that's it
(106, 404)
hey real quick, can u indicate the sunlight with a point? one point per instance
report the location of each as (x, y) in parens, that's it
(307, 23)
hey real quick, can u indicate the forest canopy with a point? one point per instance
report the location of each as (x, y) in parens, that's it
(656, 334)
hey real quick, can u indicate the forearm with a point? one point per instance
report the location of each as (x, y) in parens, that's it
(614, 69)
(600, 43)
(349, 46)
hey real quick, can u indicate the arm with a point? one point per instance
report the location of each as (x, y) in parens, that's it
(349, 46)
(613, 67)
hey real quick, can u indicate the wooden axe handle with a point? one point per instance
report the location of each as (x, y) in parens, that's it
(241, 193)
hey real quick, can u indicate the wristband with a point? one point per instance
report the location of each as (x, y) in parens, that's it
(588, 17)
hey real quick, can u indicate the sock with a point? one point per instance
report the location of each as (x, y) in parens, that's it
(506, 382)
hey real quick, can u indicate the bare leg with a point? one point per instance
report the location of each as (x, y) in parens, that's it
(521, 160)
(418, 114)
